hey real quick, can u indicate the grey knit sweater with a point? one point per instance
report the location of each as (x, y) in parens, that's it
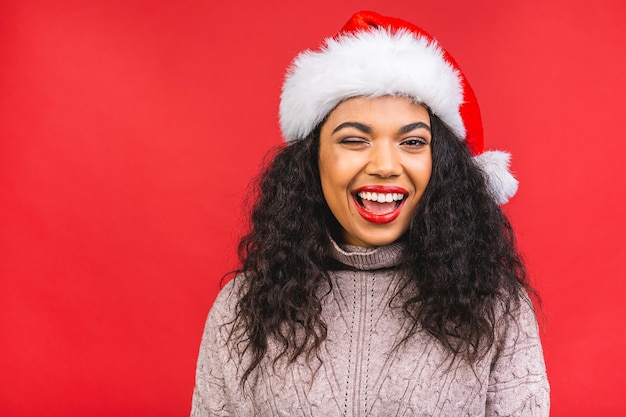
(360, 373)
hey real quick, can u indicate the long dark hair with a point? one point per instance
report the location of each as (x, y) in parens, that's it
(460, 266)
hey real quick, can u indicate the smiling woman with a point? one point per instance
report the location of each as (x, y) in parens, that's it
(380, 276)
(374, 164)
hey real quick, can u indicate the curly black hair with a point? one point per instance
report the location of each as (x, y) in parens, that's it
(460, 266)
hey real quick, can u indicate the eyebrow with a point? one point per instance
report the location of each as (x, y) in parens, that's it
(413, 126)
(363, 128)
(367, 129)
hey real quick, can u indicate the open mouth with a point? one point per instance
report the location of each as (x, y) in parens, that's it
(379, 207)
(379, 203)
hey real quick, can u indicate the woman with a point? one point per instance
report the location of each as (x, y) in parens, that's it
(380, 277)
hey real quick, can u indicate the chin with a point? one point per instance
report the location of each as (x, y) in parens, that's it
(377, 239)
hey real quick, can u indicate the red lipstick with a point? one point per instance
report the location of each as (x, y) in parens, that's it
(379, 189)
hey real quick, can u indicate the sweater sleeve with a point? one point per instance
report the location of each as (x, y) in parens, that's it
(518, 384)
(211, 393)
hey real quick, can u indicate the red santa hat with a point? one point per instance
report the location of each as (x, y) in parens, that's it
(374, 56)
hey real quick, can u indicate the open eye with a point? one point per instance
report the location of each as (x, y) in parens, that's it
(414, 142)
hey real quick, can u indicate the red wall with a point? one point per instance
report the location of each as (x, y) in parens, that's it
(129, 130)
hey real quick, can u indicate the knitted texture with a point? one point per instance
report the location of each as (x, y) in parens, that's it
(359, 373)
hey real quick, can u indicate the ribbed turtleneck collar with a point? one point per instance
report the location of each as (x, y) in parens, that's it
(367, 259)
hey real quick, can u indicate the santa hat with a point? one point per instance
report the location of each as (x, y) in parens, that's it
(374, 56)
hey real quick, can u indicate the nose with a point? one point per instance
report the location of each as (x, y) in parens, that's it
(384, 161)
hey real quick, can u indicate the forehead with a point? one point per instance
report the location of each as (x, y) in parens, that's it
(379, 110)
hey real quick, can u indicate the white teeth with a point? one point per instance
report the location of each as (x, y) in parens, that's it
(381, 197)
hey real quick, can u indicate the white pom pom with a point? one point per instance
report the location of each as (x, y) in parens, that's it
(500, 181)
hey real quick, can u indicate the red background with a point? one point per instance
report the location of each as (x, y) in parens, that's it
(130, 129)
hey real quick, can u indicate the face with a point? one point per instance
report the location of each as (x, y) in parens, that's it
(375, 162)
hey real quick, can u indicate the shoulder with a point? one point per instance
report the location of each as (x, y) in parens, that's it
(224, 309)
(228, 294)
(515, 321)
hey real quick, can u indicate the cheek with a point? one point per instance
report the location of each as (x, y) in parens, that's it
(428, 170)
(334, 186)
(336, 173)
(335, 178)
(420, 172)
